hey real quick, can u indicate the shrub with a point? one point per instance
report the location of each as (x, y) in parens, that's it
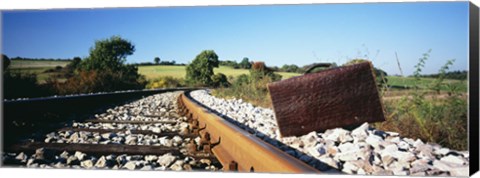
(220, 80)
(22, 85)
(165, 82)
(251, 88)
(100, 81)
(200, 71)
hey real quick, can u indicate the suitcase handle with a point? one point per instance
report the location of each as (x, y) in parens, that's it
(329, 65)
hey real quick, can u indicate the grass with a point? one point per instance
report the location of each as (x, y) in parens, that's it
(150, 72)
(31, 64)
(424, 83)
(36, 67)
(153, 72)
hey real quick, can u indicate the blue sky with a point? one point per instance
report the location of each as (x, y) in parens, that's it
(278, 34)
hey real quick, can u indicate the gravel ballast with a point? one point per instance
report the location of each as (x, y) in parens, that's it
(363, 150)
(159, 107)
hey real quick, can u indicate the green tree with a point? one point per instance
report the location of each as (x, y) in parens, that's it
(108, 54)
(157, 60)
(200, 71)
(245, 64)
(72, 66)
(104, 70)
(6, 62)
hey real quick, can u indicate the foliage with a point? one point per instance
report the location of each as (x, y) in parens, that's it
(165, 63)
(220, 80)
(200, 71)
(232, 64)
(259, 71)
(251, 88)
(104, 70)
(108, 54)
(22, 85)
(245, 63)
(165, 82)
(156, 60)
(435, 118)
(100, 81)
(292, 68)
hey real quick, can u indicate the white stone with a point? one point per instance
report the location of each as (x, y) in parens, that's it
(156, 130)
(22, 157)
(360, 133)
(454, 160)
(130, 165)
(349, 167)
(177, 166)
(147, 168)
(403, 156)
(441, 151)
(80, 156)
(177, 139)
(101, 163)
(338, 135)
(391, 148)
(87, 164)
(108, 135)
(166, 159)
(151, 158)
(374, 141)
(345, 147)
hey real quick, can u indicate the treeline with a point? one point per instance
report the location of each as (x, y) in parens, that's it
(244, 64)
(455, 75)
(39, 59)
(165, 63)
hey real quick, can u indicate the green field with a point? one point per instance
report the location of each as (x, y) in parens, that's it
(22, 64)
(408, 82)
(152, 72)
(36, 67)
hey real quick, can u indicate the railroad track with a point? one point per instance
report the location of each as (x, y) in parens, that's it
(146, 134)
(174, 131)
(168, 131)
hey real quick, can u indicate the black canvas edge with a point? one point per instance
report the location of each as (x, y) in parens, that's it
(473, 88)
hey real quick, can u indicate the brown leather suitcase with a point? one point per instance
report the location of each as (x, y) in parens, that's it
(335, 97)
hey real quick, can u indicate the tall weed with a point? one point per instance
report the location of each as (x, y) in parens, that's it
(441, 119)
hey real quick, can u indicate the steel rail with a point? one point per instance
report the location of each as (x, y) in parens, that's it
(235, 148)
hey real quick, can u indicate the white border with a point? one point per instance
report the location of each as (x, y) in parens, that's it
(67, 4)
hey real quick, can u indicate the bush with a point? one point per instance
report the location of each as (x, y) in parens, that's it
(165, 82)
(100, 81)
(104, 70)
(18, 85)
(260, 70)
(200, 71)
(251, 88)
(220, 80)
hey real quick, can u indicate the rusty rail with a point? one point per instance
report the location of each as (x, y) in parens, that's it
(236, 149)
